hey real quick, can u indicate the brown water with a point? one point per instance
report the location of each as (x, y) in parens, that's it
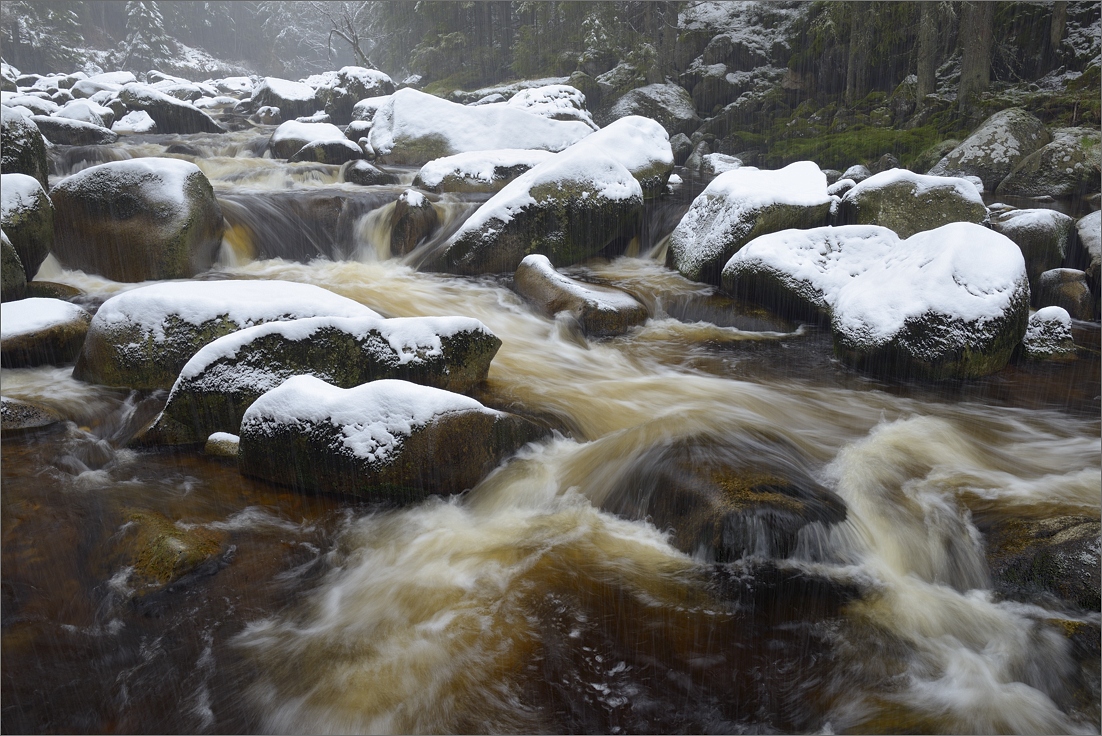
(521, 606)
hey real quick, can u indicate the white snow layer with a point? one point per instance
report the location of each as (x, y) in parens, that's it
(555, 101)
(409, 115)
(374, 418)
(28, 316)
(479, 165)
(244, 303)
(18, 192)
(922, 183)
(287, 90)
(874, 282)
(312, 132)
(161, 179)
(135, 121)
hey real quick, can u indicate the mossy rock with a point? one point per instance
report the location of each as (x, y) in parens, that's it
(27, 218)
(997, 146)
(14, 277)
(162, 552)
(52, 290)
(1042, 235)
(909, 203)
(22, 148)
(1071, 165)
(213, 393)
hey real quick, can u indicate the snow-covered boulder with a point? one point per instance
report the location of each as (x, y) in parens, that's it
(334, 152)
(13, 278)
(908, 203)
(137, 121)
(41, 331)
(27, 217)
(669, 104)
(740, 205)
(1089, 229)
(554, 101)
(363, 173)
(142, 338)
(478, 171)
(718, 163)
(22, 148)
(239, 87)
(292, 98)
(1070, 165)
(35, 104)
(414, 128)
(1067, 288)
(170, 114)
(1048, 335)
(69, 132)
(86, 111)
(136, 220)
(289, 138)
(364, 110)
(857, 173)
(385, 440)
(568, 208)
(946, 303)
(413, 220)
(1043, 235)
(339, 91)
(226, 376)
(995, 148)
(600, 310)
(640, 144)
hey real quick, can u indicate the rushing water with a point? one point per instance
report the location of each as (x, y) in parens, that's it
(521, 606)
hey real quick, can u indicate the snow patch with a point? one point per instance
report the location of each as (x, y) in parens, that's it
(28, 316)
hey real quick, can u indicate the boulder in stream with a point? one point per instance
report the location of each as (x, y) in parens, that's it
(1067, 288)
(946, 303)
(290, 137)
(1043, 236)
(69, 132)
(365, 174)
(386, 440)
(142, 338)
(740, 205)
(160, 553)
(414, 219)
(669, 104)
(170, 114)
(334, 152)
(1048, 335)
(1089, 229)
(20, 417)
(40, 331)
(137, 220)
(600, 310)
(226, 376)
(993, 150)
(292, 98)
(27, 217)
(908, 203)
(478, 171)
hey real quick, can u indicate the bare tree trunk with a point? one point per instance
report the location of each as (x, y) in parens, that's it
(856, 68)
(927, 50)
(1059, 23)
(977, 22)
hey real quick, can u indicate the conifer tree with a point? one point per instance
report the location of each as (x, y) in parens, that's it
(147, 45)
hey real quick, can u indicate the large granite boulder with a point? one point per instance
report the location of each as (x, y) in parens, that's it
(69, 132)
(386, 440)
(1070, 165)
(993, 150)
(142, 338)
(600, 310)
(946, 303)
(293, 99)
(669, 104)
(292, 135)
(479, 172)
(40, 331)
(554, 101)
(137, 220)
(413, 128)
(740, 205)
(1043, 235)
(27, 217)
(170, 114)
(226, 376)
(338, 92)
(908, 203)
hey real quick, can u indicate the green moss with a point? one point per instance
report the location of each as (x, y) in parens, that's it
(161, 552)
(858, 144)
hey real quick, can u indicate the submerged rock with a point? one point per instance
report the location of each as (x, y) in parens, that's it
(161, 553)
(600, 310)
(137, 220)
(27, 217)
(1048, 335)
(993, 150)
(740, 205)
(22, 147)
(946, 303)
(386, 440)
(225, 377)
(908, 203)
(142, 338)
(39, 331)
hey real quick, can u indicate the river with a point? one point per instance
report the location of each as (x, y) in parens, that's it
(521, 605)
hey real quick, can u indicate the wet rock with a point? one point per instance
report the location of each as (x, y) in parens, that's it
(267, 115)
(1068, 166)
(290, 137)
(478, 171)
(1043, 235)
(908, 203)
(39, 331)
(1048, 335)
(600, 310)
(52, 290)
(385, 440)
(727, 498)
(329, 152)
(137, 220)
(226, 376)
(833, 176)
(946, 303)
(27, 217)
(740, 205)
(365, 174)
(18, 417)
(1067, 288)
(142, 338)
(682, 147)
(1047, 562)
(669, 104)
(414, 219)
(695, 159)
(14, 284)
(222, 444)
(292, 98)
(68, 132)
(717, 163)
(161, 552)
(993, 150)
(170, 114)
